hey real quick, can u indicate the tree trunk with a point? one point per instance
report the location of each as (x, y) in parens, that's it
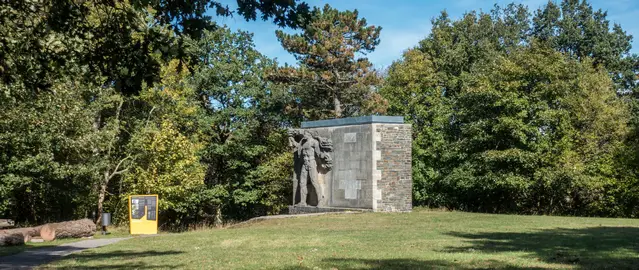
(101, 196)
(69, 229)
(11, 239)
(337, 106)
(97, 122)
(218, 217)
(108, 173)
(13, 236)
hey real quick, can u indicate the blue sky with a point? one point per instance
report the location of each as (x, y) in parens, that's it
(405, 22)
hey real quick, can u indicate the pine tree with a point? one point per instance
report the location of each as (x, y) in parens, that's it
(332, 77)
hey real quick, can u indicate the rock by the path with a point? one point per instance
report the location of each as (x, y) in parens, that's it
(37, 240)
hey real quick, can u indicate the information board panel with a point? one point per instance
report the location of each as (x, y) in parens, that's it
(143, 212)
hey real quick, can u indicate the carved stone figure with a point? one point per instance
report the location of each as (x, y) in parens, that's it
(310, 150)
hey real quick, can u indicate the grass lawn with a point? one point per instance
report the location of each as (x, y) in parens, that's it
(419, 240)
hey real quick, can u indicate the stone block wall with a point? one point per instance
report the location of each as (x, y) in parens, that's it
(392, 173)
(371, 168)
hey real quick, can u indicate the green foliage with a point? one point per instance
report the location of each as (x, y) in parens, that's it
(272, 181)
(511, 112)
(124, 41)
(506, 119)
(573, 27)
(242, 123)
(165, 150)
(94, 107)
(412, 90)
(167, 164)
(332, 80)
(47, 169)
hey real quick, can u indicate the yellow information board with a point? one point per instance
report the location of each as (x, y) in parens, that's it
(143, 214)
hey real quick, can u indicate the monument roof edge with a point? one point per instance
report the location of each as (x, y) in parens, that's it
(368, 119)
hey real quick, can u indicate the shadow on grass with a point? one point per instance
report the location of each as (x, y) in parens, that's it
(12, 250)
(120, 260)
(121, 255)
(352, 263)
(121, 266)
(594, 247)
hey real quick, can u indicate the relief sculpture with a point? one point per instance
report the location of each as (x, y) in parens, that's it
(311, 157)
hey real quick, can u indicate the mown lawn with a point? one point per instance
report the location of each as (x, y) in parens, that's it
(419, 240)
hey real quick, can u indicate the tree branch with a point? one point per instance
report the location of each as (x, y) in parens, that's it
(115, 171)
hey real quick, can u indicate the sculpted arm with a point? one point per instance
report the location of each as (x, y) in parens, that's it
(291, 140)
(317, 149)
(293, 143)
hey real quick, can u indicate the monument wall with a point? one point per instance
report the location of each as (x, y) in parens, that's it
(371, 164)
(392, 173)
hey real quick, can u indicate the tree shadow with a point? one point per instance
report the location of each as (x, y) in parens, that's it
(354, 263)
(121, 255)
(593, 248)
(121, 266)
(110, 260)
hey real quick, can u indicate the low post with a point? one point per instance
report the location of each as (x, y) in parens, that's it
(106, 221)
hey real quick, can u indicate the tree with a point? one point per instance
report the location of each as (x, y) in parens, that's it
(573, 27)
(165, 145)
(243, 124)
(412, 90)
(331, 73)
(123, 41)
(539, 134)
(98, 56)
(505, 121)
(48, 168)
(456, 48)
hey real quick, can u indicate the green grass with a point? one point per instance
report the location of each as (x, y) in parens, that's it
(10, 250)
(419, 240)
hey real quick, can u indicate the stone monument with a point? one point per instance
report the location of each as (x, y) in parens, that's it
(358, 163)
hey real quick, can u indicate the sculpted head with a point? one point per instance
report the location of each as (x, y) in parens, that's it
(294, 132)
(311, 134)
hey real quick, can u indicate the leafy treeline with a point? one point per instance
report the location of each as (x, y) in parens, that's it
(522, 112)
(103, 99)
(512, 110)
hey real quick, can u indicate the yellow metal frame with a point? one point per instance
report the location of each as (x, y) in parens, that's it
(143, 225)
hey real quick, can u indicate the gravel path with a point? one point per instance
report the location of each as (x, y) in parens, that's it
(37, 256)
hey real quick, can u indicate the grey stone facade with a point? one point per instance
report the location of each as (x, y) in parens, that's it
(371, 164)
(393, 172)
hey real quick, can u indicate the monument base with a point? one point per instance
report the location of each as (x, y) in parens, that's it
(294, 209)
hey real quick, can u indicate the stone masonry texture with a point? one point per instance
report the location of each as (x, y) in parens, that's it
(396, 181)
